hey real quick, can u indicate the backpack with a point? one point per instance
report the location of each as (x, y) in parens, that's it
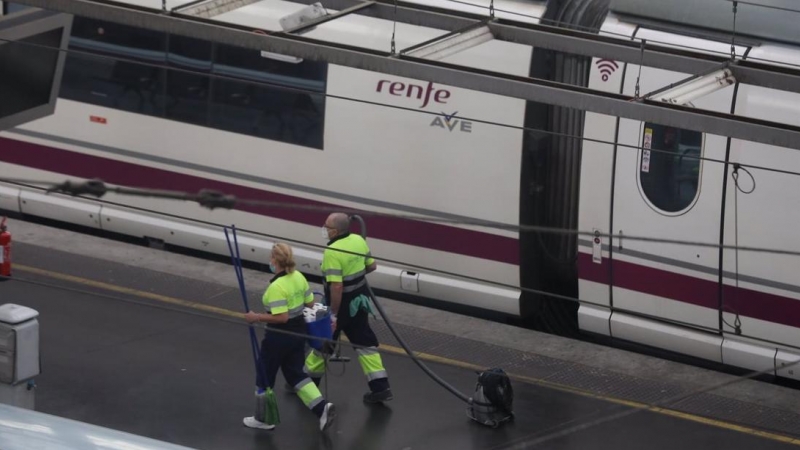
(493, 400)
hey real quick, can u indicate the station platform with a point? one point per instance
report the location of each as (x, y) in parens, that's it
(163, 352)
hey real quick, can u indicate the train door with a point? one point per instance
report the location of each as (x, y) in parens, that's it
(667, 186)
(761, 295)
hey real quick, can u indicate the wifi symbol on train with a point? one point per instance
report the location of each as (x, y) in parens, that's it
(607, 67)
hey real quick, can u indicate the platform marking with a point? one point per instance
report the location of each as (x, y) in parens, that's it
(424, 356)
(129, 291)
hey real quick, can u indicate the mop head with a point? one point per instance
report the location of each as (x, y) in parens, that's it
(267, 407)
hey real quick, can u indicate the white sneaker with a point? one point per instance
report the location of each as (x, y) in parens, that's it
(328, 414)
(251, 422)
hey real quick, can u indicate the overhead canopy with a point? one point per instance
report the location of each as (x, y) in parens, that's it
(31, 63)
(530, 89)
(772, 21)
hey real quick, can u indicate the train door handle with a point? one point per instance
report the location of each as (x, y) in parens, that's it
(597, 248)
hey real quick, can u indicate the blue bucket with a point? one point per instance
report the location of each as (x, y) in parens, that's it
(321, 328)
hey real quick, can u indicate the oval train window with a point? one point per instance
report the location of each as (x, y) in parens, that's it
(669, 173)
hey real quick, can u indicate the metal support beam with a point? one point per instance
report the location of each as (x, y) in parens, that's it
(768, 5)
(534, 90)
(306, 26)
(578, 42)
(211, 8)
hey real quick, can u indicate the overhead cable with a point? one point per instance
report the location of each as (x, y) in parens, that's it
(213, 199)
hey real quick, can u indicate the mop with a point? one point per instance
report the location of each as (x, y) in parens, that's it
(266, 404)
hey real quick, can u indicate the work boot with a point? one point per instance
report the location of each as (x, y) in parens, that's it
(378, 397)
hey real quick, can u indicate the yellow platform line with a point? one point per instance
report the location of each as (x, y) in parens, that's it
(424, 356)
(129, 291)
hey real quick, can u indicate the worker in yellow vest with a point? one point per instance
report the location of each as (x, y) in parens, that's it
(345, 264)
(288, 293)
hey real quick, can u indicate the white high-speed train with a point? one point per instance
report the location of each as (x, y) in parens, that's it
(138, 108)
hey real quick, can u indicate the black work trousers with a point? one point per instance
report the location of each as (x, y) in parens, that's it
(356, 328)
(285, 352)
(359, 332)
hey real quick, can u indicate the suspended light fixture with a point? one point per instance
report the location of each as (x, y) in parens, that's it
(282, 58)
(451, 43)
(684, 93)
(295, 23)
(211, 8)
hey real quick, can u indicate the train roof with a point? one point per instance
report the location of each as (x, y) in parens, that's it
(22, 429)
(775, 21)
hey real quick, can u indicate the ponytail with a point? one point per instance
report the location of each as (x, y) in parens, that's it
(283, 256)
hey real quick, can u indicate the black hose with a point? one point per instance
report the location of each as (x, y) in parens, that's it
(362, 224)
(403, 344)
(421, 365)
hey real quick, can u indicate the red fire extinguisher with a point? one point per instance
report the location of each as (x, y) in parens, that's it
(5, 247)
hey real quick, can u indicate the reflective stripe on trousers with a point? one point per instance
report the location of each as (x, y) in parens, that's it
(371, 363)
(369, 358)
(315, 364)
(309, 393)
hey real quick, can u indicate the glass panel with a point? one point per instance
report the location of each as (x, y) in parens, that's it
(218, 86)
(27, 67)
(187, 93)
(125, 75)
(268, 98)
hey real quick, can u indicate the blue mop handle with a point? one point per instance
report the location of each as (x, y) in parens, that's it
(238, 265)
(240, 277)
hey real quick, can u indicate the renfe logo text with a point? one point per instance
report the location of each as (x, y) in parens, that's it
(425, 94)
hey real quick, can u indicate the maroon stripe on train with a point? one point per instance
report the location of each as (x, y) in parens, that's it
(667, 284)
(688, 289)
(410, 232)
(761, 305)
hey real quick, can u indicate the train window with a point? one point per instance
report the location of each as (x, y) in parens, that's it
(115, 66)
(194, 81)
(669, 170)
(188, 93)
(268, 98)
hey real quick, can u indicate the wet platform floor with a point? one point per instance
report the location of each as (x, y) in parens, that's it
(187, 378)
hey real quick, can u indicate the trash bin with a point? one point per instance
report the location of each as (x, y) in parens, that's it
(19, 354)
